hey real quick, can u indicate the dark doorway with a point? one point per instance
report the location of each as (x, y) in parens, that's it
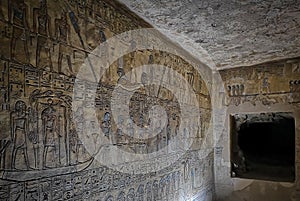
(263, 146)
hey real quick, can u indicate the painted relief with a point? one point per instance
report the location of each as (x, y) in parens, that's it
(43, 44)
(18, 17)
(269, 84)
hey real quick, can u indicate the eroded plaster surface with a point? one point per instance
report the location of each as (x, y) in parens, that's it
(233, 32)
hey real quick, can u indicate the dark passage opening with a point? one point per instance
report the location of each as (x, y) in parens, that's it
(264, 147)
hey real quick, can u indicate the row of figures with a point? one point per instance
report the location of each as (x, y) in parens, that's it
(294, 86)
(236, 90)
(152, 133)
(125, 127)
(42, 137)
(22, 35)
(156, 190)
(93, 184)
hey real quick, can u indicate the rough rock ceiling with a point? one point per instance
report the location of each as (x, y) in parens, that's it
(233, 32)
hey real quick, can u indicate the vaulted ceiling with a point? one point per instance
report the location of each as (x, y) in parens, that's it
(231, 32)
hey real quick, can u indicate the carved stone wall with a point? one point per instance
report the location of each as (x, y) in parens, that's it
(265, 88)
(43, 44)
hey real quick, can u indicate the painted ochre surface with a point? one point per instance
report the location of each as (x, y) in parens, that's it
(43, 44)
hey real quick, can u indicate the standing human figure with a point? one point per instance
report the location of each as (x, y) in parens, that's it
(18, 133)
(62, 35)
(51, 136)
(41, 25)
(18, 18)
(106, 125)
